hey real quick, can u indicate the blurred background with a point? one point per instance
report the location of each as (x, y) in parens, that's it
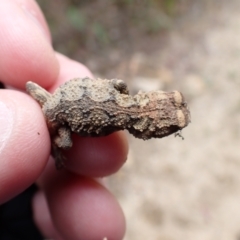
(170, 189)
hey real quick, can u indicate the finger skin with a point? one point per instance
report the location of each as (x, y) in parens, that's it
(69, 69)
(81, 208)
(32, 9)
(25, 50)
(24, 143)
(42, 217)
(97, 157)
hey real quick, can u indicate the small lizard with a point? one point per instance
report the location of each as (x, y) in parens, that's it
(100, 107)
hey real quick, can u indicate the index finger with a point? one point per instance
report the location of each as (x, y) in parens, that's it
(25, 49)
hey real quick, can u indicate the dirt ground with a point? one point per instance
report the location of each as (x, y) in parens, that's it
(176, 190)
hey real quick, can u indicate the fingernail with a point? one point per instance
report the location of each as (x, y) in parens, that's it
(6, 124)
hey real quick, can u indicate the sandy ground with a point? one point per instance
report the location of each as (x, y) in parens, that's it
(172, 189)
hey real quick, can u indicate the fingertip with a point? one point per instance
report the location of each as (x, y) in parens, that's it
(97, 157)
(82, 207)
(42, 216)
(69, 69)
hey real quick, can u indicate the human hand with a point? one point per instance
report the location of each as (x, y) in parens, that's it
(71, 203)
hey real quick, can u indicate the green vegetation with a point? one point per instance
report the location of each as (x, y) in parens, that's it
(86, 27)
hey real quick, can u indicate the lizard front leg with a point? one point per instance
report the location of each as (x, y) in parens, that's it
(62, 141)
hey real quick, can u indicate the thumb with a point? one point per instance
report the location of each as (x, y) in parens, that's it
(24, 143)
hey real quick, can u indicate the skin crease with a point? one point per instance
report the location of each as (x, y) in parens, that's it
(71, 204)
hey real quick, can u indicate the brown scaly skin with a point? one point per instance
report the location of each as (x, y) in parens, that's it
(100, 107)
